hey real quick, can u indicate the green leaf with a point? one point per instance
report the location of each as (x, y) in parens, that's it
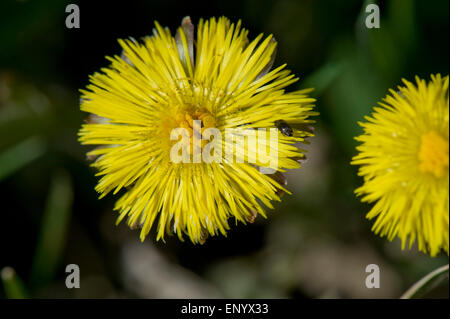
(321, 79)
(427, 283)
(53, 231)
(18, 156)
(12, 284)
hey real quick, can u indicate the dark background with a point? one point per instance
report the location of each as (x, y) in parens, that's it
(316, 243)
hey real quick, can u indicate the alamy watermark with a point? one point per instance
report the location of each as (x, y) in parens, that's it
(373, 18)
(73, 19)
(254, 146)
(73, 277)
(373, 279)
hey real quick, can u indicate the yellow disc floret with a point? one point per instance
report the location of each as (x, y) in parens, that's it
(404, 160)
(195, 122)
(205, 77)
(433, 154)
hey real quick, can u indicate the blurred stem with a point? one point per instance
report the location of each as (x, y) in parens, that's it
(20, 155)
(13, 285)
(426, 283)
(321, 79)
(53, 231)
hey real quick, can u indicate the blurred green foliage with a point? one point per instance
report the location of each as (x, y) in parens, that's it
(313, 245)
(12, 284)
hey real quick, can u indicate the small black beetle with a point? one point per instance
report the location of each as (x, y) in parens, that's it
(284, 128)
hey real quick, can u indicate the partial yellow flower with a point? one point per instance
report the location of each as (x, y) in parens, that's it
(159, 85)
(404, 159)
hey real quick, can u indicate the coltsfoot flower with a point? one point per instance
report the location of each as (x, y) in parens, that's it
(404, 161)
(219, 81)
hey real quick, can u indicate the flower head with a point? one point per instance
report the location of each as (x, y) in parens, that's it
(404, 158)
(219, 81)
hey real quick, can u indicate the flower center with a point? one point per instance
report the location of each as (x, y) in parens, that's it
(433, 154)
(195, 122)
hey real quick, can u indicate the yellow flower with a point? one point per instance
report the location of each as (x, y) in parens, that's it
(404, 161)
(161, 85)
